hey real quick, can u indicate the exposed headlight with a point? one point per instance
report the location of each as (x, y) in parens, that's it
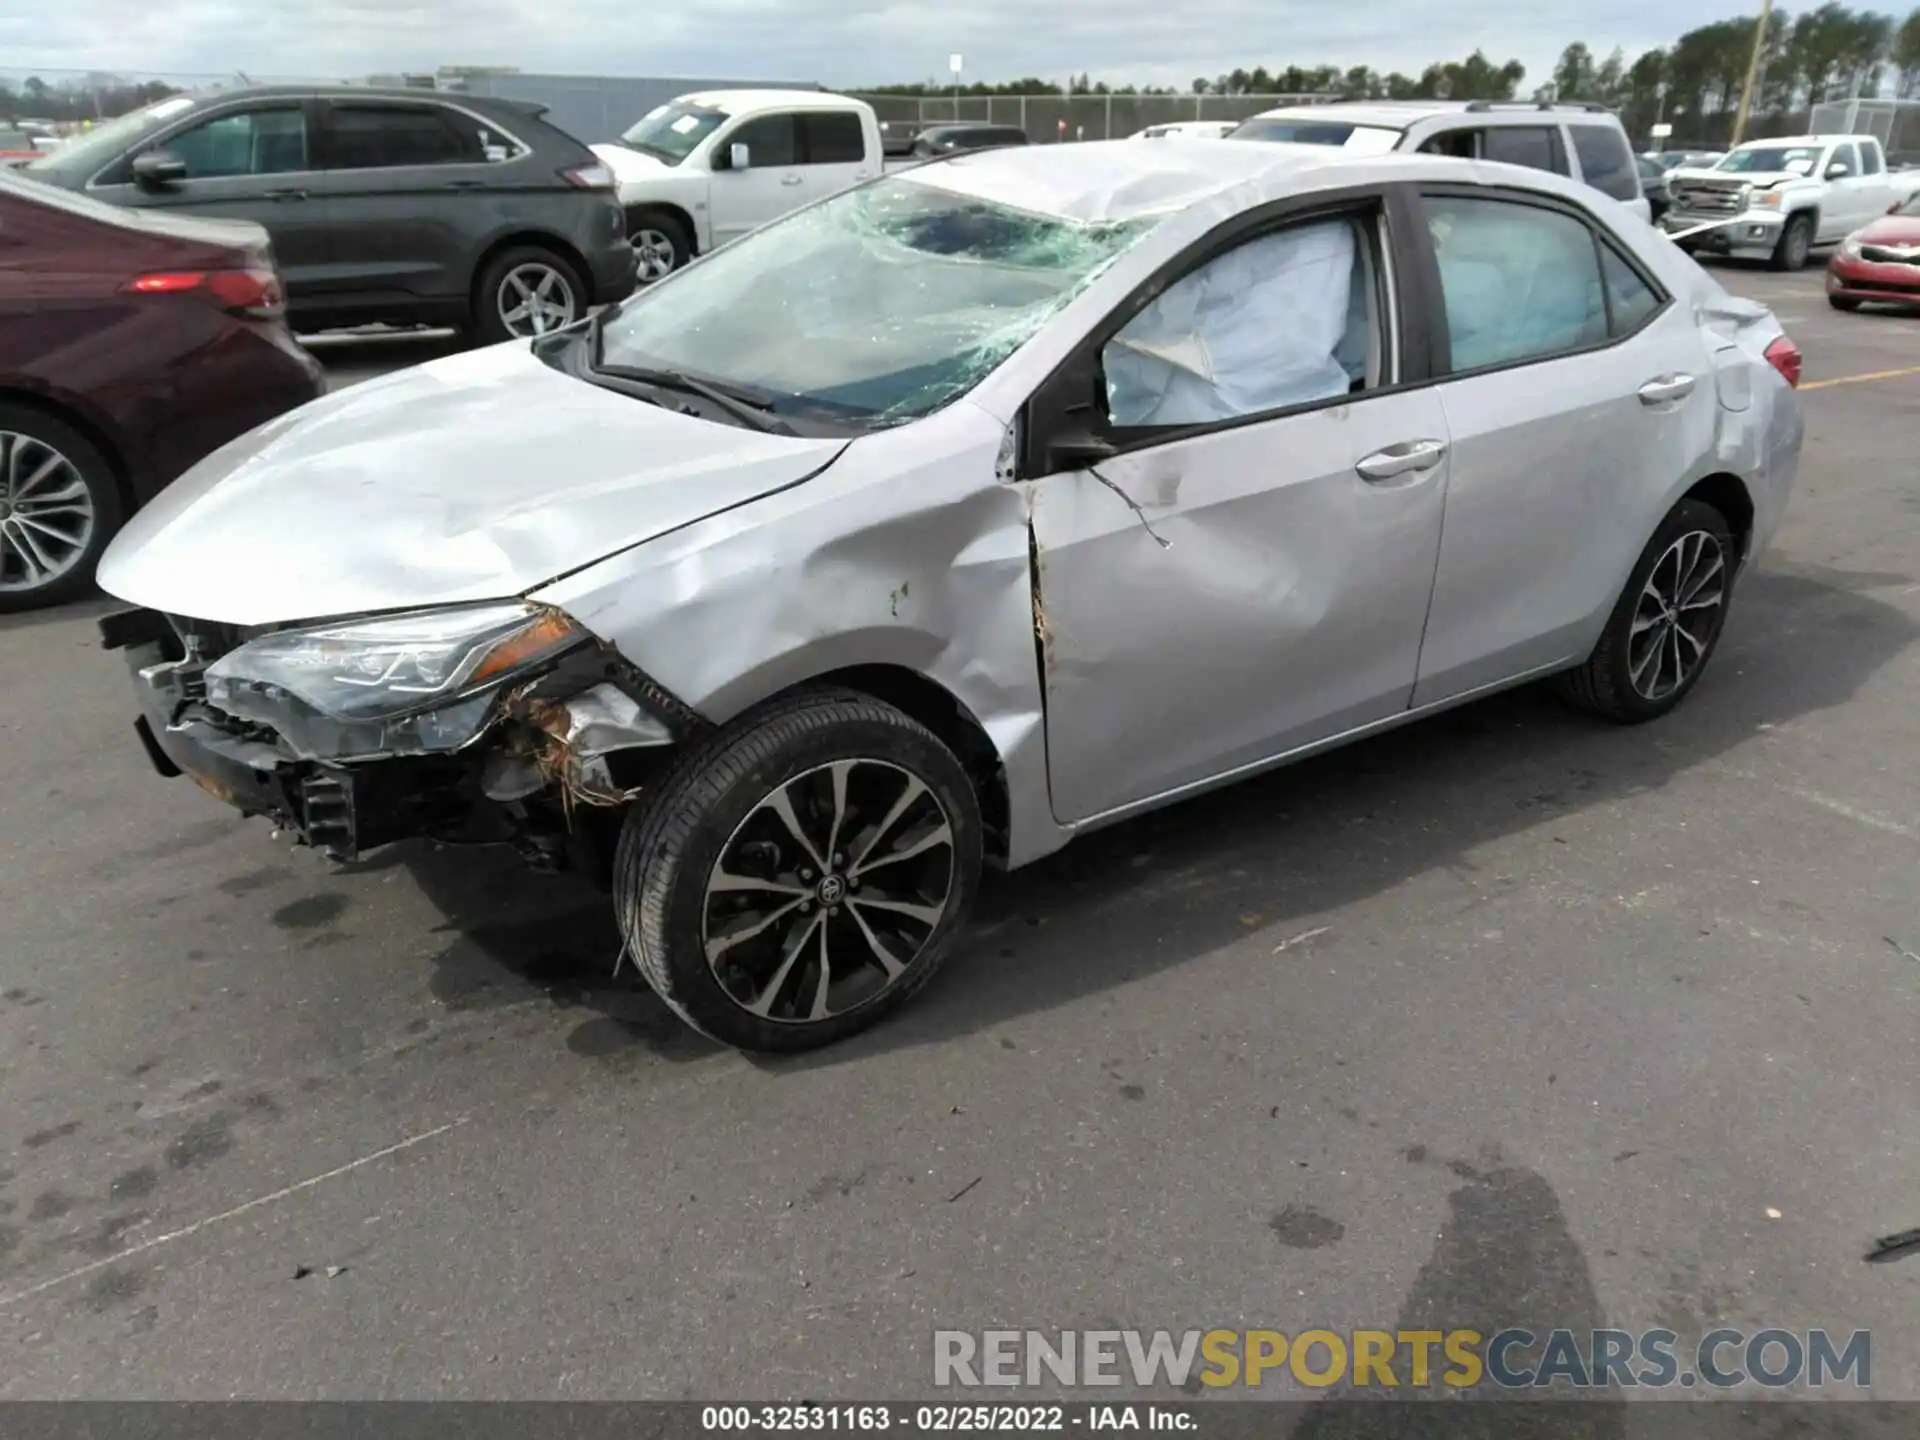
(412, 683)
(1767, 200)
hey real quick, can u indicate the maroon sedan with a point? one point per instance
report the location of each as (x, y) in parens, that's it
(1881, 262)
(132, 344)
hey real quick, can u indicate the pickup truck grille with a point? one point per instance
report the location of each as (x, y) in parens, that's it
(1887, 255)
(1707, 199)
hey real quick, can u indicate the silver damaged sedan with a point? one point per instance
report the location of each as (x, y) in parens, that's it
(988, 503)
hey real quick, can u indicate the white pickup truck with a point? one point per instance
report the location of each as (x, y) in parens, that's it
(705, 169)
(1778, 200)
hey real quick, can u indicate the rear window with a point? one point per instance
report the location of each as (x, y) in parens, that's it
(1605, 162)
(1366, 139)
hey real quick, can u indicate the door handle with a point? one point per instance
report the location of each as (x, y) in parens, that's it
(286, 194)
(1402, 459)
(791, 179)
(1666, 387)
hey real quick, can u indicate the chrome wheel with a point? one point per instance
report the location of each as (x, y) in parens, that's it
(536, 298)
(46, 513)
(1677, 615)
(828, 891)
(656, 253)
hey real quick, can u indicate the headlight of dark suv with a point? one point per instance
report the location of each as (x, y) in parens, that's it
(424, 682)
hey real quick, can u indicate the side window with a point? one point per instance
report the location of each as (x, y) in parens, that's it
(1605, 162)
(833, 137)
(249, 142)
(1461, 144)
(772, 140)
(1845, 155)
(1286, 319)
(1535, 146)
(1631, 301)
(1520, 282)
(1870, 162)
(378, 137)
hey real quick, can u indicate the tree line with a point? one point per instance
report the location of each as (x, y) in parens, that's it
(1831, 53)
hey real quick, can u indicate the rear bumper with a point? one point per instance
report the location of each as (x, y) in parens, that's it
(611, 256)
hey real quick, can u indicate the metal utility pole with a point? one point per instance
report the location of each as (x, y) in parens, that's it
(1753, 71)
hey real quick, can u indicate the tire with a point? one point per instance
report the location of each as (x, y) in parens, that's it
(1614, 681)
(663, 243)
(544, 280)
(57, 477)
(718, 805)
(1796, 243)
(1843, 302)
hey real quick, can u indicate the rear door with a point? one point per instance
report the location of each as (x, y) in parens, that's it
(252, 161)
(1578, 393)
(833, 152)
(773, 183)
(407, 185)
(1873, 169)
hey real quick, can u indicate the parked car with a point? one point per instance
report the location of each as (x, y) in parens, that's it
(1779, 200)
(131, 345)
(705, 169)
(1653, 184)
(1585, 142)
(396, 206)
(1187, 130)
(17, 147)
(972, 509)
(1696, 159)
(1879, 262)
(937, 140)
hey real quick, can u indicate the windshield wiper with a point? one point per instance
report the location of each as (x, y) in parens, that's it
(749, 409)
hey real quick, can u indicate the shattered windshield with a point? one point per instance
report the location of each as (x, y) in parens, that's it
(670, 132)
(1795, 159)
(875, 307)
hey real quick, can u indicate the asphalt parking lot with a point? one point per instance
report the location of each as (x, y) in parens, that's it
(1508, 1017)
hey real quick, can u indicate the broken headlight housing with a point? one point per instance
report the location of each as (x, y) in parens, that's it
(424, 682)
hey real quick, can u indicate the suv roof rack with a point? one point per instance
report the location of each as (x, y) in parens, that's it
(1482, 107)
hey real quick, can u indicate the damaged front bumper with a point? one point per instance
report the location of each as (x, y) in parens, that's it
(543, 760)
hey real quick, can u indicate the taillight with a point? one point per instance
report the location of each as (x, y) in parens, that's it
(1784, 356)
(253, 291)
(589, 177)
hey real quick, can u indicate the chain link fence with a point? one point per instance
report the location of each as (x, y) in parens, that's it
(1895, 123)
(1073, 117)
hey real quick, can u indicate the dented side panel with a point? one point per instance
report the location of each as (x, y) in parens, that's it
(1286, 605)
(907, 552)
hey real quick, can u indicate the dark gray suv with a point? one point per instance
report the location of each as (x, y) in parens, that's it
(402, 206)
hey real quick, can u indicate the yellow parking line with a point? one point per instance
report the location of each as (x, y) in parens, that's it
(1861, 379)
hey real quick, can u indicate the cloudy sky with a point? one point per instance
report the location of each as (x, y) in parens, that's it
(840, 42)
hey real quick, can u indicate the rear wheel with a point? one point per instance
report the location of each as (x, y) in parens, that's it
(800, 874)
(1796, 241)
(1667, 622)
(59, 506)
(1843, 302)
(525, 291)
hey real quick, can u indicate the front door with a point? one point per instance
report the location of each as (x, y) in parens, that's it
(1579, 391)
(773, 183)
(1251, 572)
(254, 162)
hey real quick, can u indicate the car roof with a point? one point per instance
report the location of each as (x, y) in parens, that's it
(1399, 114)
(735, 100)
(1106, 181)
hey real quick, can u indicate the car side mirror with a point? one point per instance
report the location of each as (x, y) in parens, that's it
(1838, 171)
(739, 157)
(157, 169)
(1077, 452)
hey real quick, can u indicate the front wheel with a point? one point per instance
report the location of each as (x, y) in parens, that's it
(1796, 241)
(1843, 302)
(801, 873)
(1667, 622)
(526, 291)
(59, 505)
(661, 244)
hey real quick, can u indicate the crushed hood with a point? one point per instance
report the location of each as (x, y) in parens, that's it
(1734, 179)
(473, 478)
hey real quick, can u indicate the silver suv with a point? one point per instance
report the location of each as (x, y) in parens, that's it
(1583, 142)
